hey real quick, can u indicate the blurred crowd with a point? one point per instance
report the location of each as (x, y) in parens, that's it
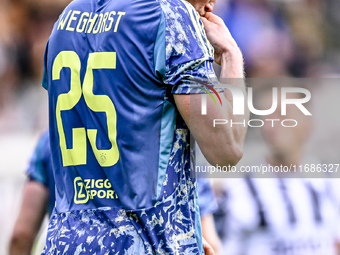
(25, 26)
(279, 38)
(282, 38)
(296, 38)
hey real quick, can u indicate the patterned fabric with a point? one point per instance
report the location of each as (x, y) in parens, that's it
(166, 228)
(185, 37)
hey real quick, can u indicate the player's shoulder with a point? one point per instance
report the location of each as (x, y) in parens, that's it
(40, 159)
(178, 9)
(42, 147)
(175, 3)
(185, 31)
(76, 3)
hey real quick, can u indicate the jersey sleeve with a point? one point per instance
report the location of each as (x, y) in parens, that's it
(188, 55)
(37, 167)
(206, 198)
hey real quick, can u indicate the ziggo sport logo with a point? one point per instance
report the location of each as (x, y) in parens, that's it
(91, 188)
(239, 103)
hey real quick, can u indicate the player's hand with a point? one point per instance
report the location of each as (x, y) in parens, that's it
(220, 38)
(208, 250)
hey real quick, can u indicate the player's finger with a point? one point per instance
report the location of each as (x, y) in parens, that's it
(205, 21)
(208, 250)
(212, 17)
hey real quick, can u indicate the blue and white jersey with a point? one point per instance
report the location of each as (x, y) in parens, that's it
(40, 168)
(206, 197)
(120, 149)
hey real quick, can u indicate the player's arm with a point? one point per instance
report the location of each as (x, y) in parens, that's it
(223, 144)
(208, 205)
(209, 233)
(208, 249)
(31, 215)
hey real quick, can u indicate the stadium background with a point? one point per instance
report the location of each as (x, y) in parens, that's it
(279, 38)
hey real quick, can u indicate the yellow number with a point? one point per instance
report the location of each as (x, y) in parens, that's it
(76, 155)
(101, 103)
(97, 103)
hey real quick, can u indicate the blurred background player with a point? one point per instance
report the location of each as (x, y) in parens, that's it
(208, 206)
(37, 200)
(280, 213)
(121, 103)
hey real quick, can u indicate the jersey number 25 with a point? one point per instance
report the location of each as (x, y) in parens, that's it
(97, 103)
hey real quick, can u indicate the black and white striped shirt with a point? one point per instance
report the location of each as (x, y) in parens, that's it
(279, 216)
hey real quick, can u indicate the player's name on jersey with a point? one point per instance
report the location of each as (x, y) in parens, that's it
(85, 22)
